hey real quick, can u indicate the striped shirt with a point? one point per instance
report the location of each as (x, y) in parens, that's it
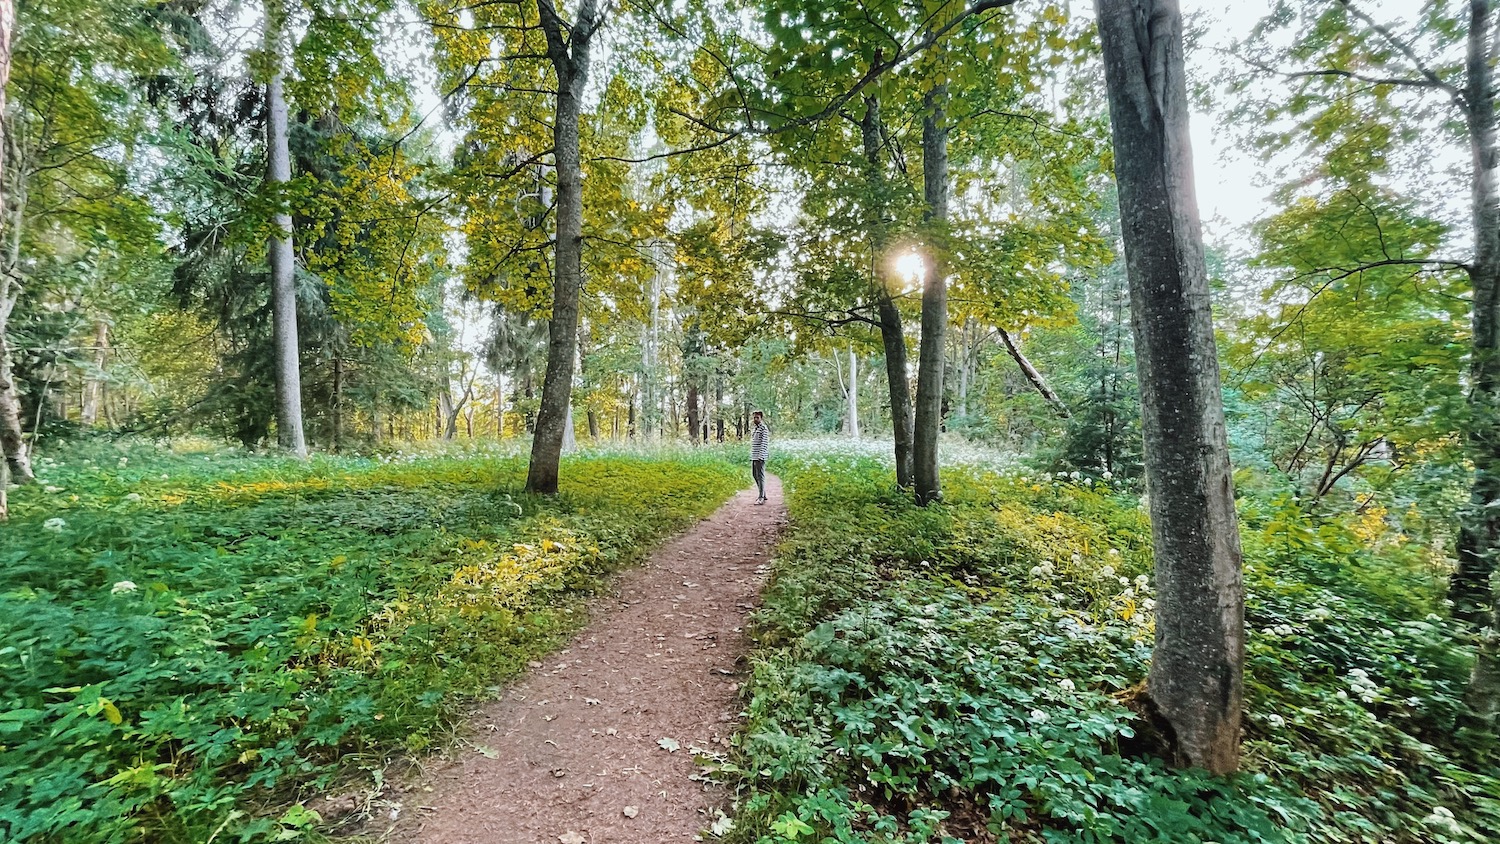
(760, 442)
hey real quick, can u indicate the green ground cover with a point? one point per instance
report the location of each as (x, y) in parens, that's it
(965, 673)
(186, 640)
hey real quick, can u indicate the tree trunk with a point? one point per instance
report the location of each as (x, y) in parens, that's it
(1197, 671)
(1033, 377)
(1479, 537)
(593, 424)
(892, 337)
(853, 393)
(694, 420)
(568, 47)
(93, 386)
(289, 433)
(16, 465)
(337, 409)
(1474, 597)
(377, 418)
(931, 358)
(630, 419)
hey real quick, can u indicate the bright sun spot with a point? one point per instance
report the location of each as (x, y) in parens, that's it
(909, 267)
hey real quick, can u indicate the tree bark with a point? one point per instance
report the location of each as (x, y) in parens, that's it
(694, 420)
(892, 335)
(289, 434)
(1479, 537)
(1032, 375)
(931, 357)
(336, 409)
(1197, 671)
(93, 386)
(16, 465)
(568, 48)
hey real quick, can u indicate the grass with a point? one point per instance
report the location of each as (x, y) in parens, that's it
(190, 641)
(964, 673)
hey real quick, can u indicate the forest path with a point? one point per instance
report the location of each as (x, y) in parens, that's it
(563, 753)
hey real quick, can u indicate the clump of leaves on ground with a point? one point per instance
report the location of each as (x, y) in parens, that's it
(189, 639)
(964, 673)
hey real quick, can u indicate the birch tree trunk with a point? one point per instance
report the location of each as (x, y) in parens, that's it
(931, 357)
(289, 433)
(16, 463)
(892, 335)
(93, 386)
(1196, 680)
(853, 393)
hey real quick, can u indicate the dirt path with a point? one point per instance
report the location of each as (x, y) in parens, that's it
(566, 750)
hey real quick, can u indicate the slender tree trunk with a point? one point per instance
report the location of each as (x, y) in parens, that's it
(1197, 671)
(16, 465)
(93, 385)
(289, 433)
(377, 418)
(892, 336)
(693, 417)
(1033, 377)
(931, 358)
(337, 405)
(853, 394)
(568, 48)
(630, 422)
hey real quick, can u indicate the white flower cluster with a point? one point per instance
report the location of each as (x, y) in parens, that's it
(1360, 683)
(1279, 630)
(1276, 720)
(54, 524)
(122, 587)
(1442, 817)
(1043, 570)
(1318, 614)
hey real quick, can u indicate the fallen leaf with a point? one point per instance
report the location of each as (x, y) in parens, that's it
(572, 838)
(591, 701)
(670, 745)
(610, 731)
(559, 773)
(630, 811)
(488, 752)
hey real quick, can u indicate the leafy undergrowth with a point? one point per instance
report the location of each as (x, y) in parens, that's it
(962, 673)
(189, 640)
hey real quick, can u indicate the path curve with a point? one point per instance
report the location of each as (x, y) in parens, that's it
(563, 753)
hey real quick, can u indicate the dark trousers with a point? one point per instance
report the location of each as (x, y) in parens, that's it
(758, 471)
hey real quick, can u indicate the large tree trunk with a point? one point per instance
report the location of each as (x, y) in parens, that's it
(1479, 538)
(1197, 670)
(931, 357)
(568, 47)
(1474, 598)
(892, 335)
(289, 433)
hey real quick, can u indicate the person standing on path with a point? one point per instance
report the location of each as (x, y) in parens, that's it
(760, 451)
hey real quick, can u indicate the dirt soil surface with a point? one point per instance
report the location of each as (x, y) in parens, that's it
(579, 751)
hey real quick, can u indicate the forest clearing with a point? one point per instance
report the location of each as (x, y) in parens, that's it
(891, 421)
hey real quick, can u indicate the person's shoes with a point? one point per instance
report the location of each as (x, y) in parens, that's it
(760, 501)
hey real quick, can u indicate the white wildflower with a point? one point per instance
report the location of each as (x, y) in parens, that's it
(1443, 818)
(123, 461)
(52, 489)
(1107, 474)
(133, 497)
(1036, 571)
(1066, 684)
(1107, 571)
(1142, 581)
(1276, 721)
(54, 524)
(1319, 614)
(1039, 716)
(1125, 581)
(122, 587)
(1114, 552)
(1149, 604)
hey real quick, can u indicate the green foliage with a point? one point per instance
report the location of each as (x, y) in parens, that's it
(951, 673)
(187, 636)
